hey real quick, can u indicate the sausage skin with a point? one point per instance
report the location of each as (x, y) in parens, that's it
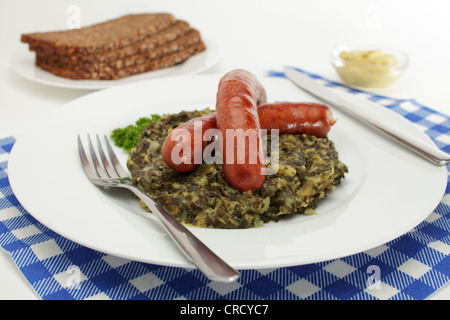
(296, 118)
(288, 117)
(238, 95)
(184, 144)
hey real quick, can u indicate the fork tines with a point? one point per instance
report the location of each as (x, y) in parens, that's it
(102, 169)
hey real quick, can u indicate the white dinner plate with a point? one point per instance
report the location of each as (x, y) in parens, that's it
(387, 192)
(22, 63)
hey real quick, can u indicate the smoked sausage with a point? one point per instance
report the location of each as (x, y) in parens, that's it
(296, 118)
(183, 148)
(288, 117)
(238, 95)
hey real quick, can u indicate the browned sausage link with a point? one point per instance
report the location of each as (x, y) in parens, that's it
(288, 117)
(296, 118)
(183, 148)
(237, 120)
(185, 158)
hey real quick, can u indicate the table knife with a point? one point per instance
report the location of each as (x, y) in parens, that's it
(422, 148)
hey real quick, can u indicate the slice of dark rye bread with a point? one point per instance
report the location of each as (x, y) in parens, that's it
(172, 32)
(113, 73)
(101, 37)
(115, 49)
(184, 41)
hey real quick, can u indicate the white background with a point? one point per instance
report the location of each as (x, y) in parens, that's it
(256, 35)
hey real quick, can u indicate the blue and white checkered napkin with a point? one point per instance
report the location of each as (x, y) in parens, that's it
(412, 266)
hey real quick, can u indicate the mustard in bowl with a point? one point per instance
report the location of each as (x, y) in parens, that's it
(368, 67)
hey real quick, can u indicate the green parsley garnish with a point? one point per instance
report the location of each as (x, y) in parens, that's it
(127, 138)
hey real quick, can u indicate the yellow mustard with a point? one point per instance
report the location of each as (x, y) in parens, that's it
(371, 68)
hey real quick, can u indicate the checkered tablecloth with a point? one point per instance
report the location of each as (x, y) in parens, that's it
(412, 266)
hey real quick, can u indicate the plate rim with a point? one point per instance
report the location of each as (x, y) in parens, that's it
(212, 56)
(186, 263)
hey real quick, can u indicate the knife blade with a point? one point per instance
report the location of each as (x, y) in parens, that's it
(362, 113)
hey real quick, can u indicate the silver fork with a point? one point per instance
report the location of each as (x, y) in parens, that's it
(103, 174)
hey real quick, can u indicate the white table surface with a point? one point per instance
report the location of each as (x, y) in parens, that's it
(257, 35)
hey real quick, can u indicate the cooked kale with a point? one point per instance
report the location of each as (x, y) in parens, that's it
(309, 167)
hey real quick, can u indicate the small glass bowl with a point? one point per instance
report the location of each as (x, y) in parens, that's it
(368, 75)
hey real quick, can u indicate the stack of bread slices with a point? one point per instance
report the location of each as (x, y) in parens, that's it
(115, 49)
